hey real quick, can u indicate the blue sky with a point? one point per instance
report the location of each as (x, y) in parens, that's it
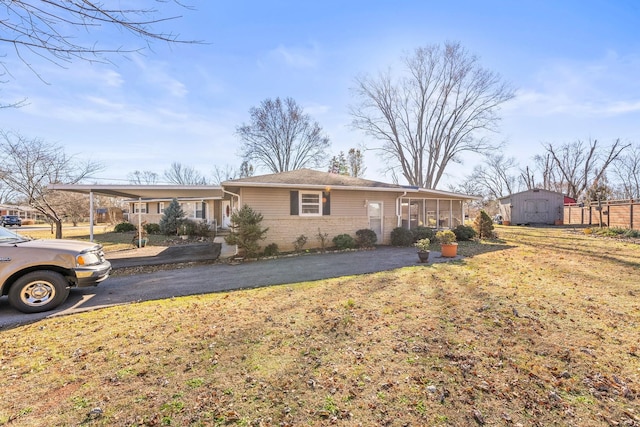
(575, 66)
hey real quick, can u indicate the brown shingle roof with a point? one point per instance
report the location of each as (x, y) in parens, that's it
(312, 178)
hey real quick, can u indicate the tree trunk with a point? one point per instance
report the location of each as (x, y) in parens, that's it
(58, 223)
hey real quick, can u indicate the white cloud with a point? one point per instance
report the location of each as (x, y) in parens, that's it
(296, 57)
(605, 87)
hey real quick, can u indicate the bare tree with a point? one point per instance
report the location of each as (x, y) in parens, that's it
(495, 177)
(433, 113)
(184, 175)
(626, 169)
(28, 166)
(338, 164)
(228, 172)
(142, 177)
(281, 137)
(581, 164)
(50, 29)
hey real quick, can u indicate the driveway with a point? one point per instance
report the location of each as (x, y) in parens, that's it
(223, 277)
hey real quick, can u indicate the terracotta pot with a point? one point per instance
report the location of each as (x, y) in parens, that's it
(558, 222)
(449, 251)
(423, 256)
(506, 222)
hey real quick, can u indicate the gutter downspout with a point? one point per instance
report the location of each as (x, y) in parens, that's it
(139, 222)
(91, 216)
(399, 209)
(238, 197)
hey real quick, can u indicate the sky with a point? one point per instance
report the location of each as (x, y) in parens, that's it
(574, 65)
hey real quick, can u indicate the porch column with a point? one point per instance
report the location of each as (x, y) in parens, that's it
(139, 222)
(91, 216)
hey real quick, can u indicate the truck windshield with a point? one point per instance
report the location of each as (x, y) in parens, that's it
(10, 236)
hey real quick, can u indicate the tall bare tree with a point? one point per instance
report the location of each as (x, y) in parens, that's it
(50, 29)
(427, 117)
(495, 176)
(626, 169)
(184, 175)
(28, 166)
(355, 157)
(281, 137)
(581, 164)
(142, 177)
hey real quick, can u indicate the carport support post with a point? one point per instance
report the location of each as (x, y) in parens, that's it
(91, 216)
(139, 222)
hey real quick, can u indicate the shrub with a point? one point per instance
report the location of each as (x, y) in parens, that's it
(246, 231)
(152, 228)
(344, 241)
(446, 237)
(322, 238)
(422, 232)
(299, 243)
(271, 250)
(124, 227)
(172, 218)
(632, 233)
(366, 238)
(401, 237)
(464, 232)
(483, 225)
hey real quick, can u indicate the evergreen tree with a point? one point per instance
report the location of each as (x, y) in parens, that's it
(483, 225)
(172, 218)
(246, 231)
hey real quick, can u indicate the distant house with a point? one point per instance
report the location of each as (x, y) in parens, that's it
(536, 206)
(301, 202)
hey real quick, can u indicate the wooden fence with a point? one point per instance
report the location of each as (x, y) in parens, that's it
(612, 213)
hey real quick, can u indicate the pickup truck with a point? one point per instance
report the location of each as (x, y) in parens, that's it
(36, 275)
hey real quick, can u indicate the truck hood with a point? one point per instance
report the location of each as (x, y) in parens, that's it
(60, 244)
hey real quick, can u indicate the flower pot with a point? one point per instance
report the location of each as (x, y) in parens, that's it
(423, 256)
(141, 243)
(558, 222)
(506, 222)
(449, 251)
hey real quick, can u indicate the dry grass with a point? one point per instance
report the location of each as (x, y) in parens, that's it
(103, 234)
(540, 329)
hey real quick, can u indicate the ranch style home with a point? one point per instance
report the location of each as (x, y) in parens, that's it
(301, 202)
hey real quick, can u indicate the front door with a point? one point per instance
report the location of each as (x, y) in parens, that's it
(226, 213)
(374, 210)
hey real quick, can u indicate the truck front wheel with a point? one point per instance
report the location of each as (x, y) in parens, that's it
(38, 291)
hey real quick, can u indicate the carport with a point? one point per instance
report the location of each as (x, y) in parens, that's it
(139, 192)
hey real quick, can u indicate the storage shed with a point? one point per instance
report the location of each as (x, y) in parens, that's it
(535, 206)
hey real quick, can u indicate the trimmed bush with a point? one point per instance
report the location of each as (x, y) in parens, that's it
(401, 237)
(299, 243)
(366, 238)
(193, 228)
(344, 241)
(246, 231)
(271, 250)
(421, 232)
(124, 227)
(152, 228)
(464, 232)
(483, 225)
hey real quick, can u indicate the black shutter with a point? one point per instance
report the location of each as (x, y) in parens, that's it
(326, 203)
(158, 207)
(294, 204)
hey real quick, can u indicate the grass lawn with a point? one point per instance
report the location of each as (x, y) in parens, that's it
(540, 328)
(102, 234)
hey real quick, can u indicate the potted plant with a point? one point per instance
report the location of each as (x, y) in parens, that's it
(448, 244)
(423, 249)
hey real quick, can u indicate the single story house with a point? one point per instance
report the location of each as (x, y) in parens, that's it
(301, 202)
(535, 206)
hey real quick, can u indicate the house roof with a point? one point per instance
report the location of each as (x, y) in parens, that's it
(533, 190)
(143, 191)
(312, 179)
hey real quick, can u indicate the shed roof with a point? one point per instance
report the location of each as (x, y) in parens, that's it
(533, 190)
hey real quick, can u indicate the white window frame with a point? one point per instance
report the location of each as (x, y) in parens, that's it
(199, 209)
(161, 207)
(302, 204)
(140, 208)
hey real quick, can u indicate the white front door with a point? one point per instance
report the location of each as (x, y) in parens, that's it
(374, 210)
(226, 213)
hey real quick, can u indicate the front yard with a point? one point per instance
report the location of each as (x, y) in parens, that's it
(537, 329)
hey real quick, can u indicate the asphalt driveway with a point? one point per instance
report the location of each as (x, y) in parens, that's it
(223, 277)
